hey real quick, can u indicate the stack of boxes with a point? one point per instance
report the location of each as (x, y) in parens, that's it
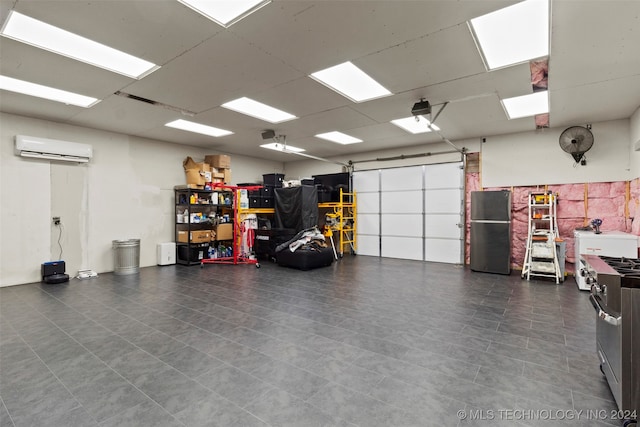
(216, 169)
(220, 168)
(263, 198)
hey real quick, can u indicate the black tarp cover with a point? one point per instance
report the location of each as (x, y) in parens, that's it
(296, 207)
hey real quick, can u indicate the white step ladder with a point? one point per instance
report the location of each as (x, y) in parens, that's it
(541, 256)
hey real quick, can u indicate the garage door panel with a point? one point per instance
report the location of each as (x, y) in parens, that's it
(402, 225)
(445, 175)
(401, 179)
(368, 245)
(442, 226)
(368, 203)
(442, 201)
(402, 202)
(368, 224)
(442, 250)
(366, 181)
(402, 247)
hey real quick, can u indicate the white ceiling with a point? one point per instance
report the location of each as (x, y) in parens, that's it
(416, 49)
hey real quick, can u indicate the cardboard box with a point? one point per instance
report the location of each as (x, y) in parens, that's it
(224, 232)
(195, 172)
(198, 236)
(227, 176)
(220, 161)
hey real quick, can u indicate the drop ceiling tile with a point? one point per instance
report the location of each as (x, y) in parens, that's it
(218, 70)
(445, 56)
(124, 115)
(602, 44)
(35, 65)
(597, 102)
(152, 30)
(303, 97)
(342, 119)
(23, 105)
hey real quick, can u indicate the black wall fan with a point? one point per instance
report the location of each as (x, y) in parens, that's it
(576, 141)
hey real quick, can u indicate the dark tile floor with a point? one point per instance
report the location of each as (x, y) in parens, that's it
(365, 342)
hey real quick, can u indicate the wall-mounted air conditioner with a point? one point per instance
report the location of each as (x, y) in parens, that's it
(52, 149)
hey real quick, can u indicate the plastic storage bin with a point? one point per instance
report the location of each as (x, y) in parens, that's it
(273, 179)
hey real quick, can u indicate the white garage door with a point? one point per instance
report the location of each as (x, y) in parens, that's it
(368, 212)
(411, 212)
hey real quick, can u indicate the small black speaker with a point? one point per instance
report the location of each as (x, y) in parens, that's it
(268, 134)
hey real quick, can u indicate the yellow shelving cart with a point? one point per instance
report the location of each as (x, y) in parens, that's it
(342, 221)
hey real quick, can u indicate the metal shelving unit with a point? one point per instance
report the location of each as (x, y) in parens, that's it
(191, 202)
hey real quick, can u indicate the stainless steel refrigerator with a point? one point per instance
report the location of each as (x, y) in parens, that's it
(491, 231)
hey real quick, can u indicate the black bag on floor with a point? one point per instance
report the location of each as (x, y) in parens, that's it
(304, 258)
(312, 254)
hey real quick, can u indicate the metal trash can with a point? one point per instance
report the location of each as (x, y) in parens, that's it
(126, 256)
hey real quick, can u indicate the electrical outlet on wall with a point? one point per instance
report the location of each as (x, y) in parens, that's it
(56, 220)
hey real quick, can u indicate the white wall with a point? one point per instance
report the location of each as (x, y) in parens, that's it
(527, 158)
(634, 132)
(534, 158)
(126, 191)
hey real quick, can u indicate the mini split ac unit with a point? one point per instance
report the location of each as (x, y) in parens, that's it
(52, 149)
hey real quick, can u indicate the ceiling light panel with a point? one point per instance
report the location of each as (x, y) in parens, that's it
(414, 124)
(44, 36)
(281, 147)
(527, 105)
(46, 92)
(198, 128)
(513, 34)
(258, 110)
(338, 137)
(225, 13)
(351, 82)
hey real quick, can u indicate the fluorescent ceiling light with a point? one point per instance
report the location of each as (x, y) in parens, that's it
(281, 147)
(39, 34)
(339, 137)
(198, 128)
(46, 92)
(527, 105)
(258, 110)
(414, 124)
(351, 82)
(514, 34)
(225, 13)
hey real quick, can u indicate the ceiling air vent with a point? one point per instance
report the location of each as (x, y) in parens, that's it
(156, 103)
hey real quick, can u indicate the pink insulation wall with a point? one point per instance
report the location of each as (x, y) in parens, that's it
(578, 204)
